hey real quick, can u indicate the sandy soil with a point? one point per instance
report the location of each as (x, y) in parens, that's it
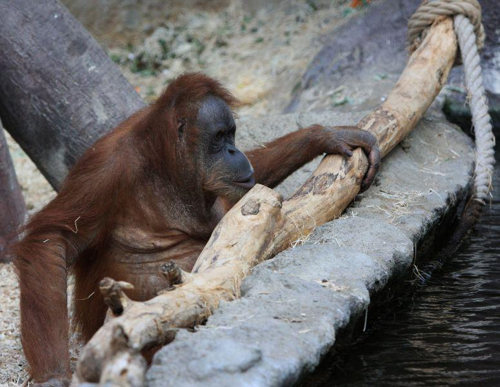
(258, 57)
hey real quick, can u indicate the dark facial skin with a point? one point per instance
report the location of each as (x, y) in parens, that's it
(230, 175)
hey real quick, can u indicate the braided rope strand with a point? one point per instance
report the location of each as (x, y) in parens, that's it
(485, 139)
(430, 11)
(470, 33)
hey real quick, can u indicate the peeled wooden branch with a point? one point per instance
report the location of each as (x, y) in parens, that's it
(114, 297)
(262, 224)
(173, 274)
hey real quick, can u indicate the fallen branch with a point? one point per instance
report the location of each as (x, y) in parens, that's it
(262, 224)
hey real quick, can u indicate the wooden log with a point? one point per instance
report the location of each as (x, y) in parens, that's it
(59, 90)
(12, 206)
(261, 224)
(114, 295)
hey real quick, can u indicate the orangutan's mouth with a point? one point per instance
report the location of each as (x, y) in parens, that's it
(247, 182)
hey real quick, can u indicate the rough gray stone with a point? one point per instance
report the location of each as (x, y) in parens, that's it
(352, 72)
(293, 305)
(383, 242)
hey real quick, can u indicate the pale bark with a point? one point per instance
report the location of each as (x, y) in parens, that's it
(262, 224)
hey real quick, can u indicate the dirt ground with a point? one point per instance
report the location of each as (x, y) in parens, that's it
(259, 57)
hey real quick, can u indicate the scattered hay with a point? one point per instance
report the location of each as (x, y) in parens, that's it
(398, 204)
(12, 363)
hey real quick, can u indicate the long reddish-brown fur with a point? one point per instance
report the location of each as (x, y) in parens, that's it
(133, 201)
(74, 228)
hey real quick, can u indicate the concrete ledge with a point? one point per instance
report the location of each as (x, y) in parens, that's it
(293, 305)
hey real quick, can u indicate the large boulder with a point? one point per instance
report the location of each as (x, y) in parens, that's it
(361, 61)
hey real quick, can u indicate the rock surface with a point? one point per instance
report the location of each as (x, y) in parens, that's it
(361, 61)
(293, 305)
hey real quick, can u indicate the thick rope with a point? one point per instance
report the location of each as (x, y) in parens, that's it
(485, 139)
(470, 34)
(430, 11)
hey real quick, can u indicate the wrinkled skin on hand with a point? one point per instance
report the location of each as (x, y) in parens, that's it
(344, 139)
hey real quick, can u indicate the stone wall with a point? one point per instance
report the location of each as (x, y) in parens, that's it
(293, 306)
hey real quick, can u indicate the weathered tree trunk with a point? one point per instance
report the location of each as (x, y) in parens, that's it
(59, 91)
(260, 226)
(12, 206)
